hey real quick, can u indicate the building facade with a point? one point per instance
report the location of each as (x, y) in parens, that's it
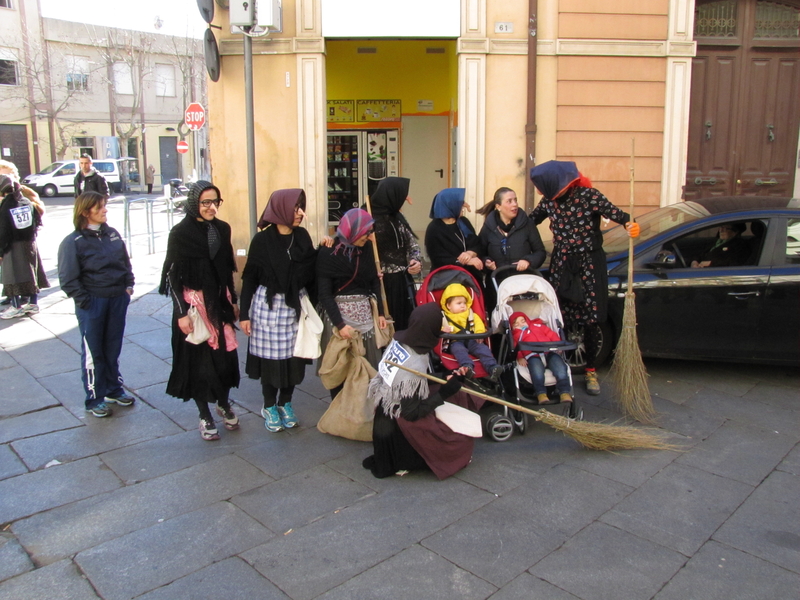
(69, 88)
(517, 83)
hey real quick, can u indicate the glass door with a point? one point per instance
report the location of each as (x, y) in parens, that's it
(343, 174)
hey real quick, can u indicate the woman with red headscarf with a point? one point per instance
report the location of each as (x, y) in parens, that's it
(578, 266)
(279, 270)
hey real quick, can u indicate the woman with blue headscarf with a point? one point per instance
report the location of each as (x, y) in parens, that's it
(578, 264)
(450, 238)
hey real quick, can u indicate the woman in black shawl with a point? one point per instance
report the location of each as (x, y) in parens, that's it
(450, 238)
(280, 267)
(406, 435)
(198, 271)
(397, 247)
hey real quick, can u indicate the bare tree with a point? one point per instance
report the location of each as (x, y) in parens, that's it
(124, 54)
(39, 96)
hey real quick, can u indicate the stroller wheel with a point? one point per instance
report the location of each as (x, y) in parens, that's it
(499, 427)
(573, 410)
(520, 420)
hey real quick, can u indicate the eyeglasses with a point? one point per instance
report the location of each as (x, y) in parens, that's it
(208, 203)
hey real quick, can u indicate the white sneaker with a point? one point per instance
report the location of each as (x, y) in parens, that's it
(12, 313)
(30, 309)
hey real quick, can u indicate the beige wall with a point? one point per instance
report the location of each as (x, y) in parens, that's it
(603, 78)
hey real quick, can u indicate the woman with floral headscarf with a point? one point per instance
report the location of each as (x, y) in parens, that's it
(346, 279)
(280, 268)
(397, 247)
(198, 272)
(450, 238)
(578, 265)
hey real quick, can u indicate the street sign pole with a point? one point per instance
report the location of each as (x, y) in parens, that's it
(250, 126)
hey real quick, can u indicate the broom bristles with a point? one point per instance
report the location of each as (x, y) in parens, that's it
(604, 436)
(628, 371)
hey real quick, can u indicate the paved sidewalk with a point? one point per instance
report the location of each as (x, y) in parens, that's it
(138, 506)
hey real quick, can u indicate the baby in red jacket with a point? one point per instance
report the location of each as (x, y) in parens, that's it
(526, 330)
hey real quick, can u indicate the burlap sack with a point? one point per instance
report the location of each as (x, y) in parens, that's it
(350, 413)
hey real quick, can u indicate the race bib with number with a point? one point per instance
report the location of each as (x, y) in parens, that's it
(395, 353)
(22, 217)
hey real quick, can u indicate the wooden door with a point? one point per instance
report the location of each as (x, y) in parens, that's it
(745, 104)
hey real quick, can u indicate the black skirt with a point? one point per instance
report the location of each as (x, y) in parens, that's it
(278, 373)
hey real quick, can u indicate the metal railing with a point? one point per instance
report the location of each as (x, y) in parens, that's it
(149, 214)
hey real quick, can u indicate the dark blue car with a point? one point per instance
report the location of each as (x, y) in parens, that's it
(741, 305)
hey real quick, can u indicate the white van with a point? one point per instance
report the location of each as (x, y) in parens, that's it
(59, 178)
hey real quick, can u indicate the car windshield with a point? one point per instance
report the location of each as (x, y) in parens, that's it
(653, 223)
(50, 168)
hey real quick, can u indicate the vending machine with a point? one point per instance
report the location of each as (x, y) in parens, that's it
(357, 162)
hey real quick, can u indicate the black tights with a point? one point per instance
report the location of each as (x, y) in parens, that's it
(271, 396)
(591, 340)
(205, 411)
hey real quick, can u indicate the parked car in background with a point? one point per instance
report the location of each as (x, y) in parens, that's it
(747, 312)
(59, 177)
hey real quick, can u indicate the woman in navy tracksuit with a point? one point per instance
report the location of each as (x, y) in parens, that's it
(94, 270)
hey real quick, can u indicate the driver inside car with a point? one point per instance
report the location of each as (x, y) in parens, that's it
(729, 249)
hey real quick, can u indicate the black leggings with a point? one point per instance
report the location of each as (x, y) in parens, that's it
(271, 396)
(205, 411)
(591, 340)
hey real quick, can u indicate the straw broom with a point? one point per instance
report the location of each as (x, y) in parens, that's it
(628, 371)
(594, 436)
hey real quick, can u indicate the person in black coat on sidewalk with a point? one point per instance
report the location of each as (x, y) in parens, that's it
(88, 179)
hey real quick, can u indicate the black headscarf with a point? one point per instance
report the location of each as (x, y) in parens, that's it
(424, 327)
(193, 197)
(389, 198)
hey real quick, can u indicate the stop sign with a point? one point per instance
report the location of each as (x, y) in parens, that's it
(183, 147)
(195, 116)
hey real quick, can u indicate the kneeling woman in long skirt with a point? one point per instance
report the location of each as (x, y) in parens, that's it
(198, 272)
(406, 435)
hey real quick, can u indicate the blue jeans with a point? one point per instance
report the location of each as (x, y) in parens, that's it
(102, 326)
(462, 351)
(559, 368)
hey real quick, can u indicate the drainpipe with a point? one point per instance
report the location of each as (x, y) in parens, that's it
(530, 126)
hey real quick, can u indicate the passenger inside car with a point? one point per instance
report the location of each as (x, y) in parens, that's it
(728, 250)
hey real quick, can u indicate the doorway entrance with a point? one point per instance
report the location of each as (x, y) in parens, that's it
(745, 106)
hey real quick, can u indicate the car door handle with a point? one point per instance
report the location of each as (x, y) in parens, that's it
(743, 295)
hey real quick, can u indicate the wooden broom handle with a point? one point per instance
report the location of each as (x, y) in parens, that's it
(630, 239)
(386, 314)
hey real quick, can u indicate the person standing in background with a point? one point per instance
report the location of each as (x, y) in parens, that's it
(10, 169)
(88, 179)
(149, 178)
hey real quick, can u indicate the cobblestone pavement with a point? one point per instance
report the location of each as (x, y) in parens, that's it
(138, 506)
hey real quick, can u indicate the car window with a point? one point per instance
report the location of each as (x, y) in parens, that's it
(652, 224)
(793, 242)
(66, 170)
(732, 244)
(104, 167)
(50, 168)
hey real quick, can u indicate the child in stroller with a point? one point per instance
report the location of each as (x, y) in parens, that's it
(533, 331)
(456, 303)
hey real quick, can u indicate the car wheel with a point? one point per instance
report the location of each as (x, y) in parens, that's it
(576, 359)
(499, 428)
(49, 191)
